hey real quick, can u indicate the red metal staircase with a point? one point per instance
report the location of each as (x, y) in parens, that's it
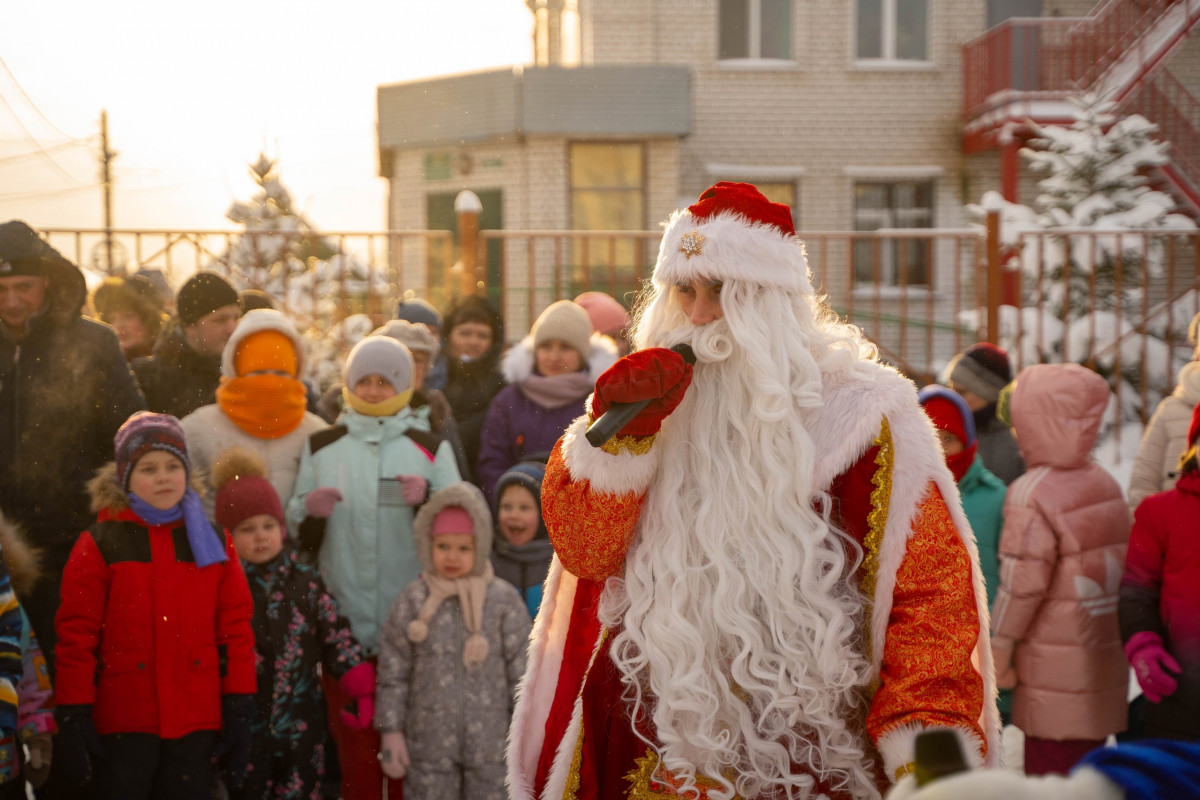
(1026, 69)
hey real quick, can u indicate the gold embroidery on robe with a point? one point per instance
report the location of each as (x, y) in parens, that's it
(591, 531)
(927, 673)
(647, 782)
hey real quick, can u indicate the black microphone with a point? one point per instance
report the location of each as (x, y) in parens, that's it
(937, 755)
(621, 414)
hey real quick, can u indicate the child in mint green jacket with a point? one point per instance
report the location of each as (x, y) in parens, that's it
(359, 485)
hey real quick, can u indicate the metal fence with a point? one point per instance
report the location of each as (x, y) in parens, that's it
(1120, 301)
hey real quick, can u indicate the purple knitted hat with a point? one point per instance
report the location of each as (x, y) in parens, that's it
(143, 432)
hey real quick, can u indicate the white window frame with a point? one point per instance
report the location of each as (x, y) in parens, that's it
(887, 56)
(889, 277)
(754, 54)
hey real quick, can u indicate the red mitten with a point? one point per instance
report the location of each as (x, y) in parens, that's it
(655, 374)
(359, 684)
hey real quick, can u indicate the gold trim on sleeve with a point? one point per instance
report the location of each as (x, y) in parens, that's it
(881, 495)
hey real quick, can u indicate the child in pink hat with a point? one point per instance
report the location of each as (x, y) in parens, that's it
(451, 651)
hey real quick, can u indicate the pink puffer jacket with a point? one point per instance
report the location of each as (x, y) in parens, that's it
(1062, 552)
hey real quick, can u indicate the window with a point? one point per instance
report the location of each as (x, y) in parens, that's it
(607, 194)
(779, 193)
(758, 29)
(892, 30)
(902, 261)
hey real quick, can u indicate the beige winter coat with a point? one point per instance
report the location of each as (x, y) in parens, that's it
(1062, 551)
(1165, 438)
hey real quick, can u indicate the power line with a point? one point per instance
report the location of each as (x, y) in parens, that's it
(29, 100)
(58, 167)
(84, 143)
(48, 192)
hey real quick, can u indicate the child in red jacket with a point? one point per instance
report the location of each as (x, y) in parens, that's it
(155, 653)
(1159, 609)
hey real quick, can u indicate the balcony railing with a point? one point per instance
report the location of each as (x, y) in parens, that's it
(1052, 57)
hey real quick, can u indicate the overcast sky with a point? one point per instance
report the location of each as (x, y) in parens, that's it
(194, 91)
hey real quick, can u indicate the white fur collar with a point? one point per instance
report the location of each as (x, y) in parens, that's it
(518, 361)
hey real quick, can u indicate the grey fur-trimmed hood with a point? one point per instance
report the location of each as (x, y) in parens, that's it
(464, 495)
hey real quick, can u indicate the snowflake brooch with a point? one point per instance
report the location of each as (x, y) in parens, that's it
(689, 243)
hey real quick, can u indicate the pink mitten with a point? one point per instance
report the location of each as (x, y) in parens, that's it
(1150, 662)
(414, 488)
(393, 754)
(320, 501)
(359, 683)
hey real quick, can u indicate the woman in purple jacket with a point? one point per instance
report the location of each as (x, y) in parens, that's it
(550, 374)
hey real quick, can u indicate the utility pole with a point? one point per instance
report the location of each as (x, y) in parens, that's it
(106, 157)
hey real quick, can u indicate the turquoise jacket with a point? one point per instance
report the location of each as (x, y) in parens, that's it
(983, 503)
(368, 555)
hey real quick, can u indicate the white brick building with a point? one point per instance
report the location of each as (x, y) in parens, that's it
(850, 111)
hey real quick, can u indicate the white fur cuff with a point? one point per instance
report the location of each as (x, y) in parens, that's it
(624, 473)
(898, 746)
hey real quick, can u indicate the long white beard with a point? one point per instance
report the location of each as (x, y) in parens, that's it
(740, 633)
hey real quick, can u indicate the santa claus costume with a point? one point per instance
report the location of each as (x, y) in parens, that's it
(765, 585)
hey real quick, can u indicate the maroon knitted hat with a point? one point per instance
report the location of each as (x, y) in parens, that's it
(243, 490)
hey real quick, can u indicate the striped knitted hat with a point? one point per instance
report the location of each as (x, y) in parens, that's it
(982, 369)
(143, 432)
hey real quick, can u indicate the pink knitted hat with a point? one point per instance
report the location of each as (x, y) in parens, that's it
(452, 519)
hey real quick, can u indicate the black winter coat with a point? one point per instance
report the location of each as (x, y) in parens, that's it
(177, 380)
(65, 389)
(471, 385)
(297, 628)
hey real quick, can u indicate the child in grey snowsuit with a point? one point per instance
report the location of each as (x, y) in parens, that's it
(451, 654)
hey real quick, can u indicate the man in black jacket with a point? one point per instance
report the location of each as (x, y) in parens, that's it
(185, 369)
(64, 390)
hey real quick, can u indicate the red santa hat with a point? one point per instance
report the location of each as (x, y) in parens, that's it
(733, 233)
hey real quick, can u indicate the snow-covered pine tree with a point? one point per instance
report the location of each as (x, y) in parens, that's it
(280, 252)
(1083, 290)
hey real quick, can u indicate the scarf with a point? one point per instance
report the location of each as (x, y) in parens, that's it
(384, 408)
(471, 591)
(207, 547)
(961, 462)
(557, 391)
(264, 406)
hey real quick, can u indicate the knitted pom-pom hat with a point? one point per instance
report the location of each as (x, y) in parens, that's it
(243, 490)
